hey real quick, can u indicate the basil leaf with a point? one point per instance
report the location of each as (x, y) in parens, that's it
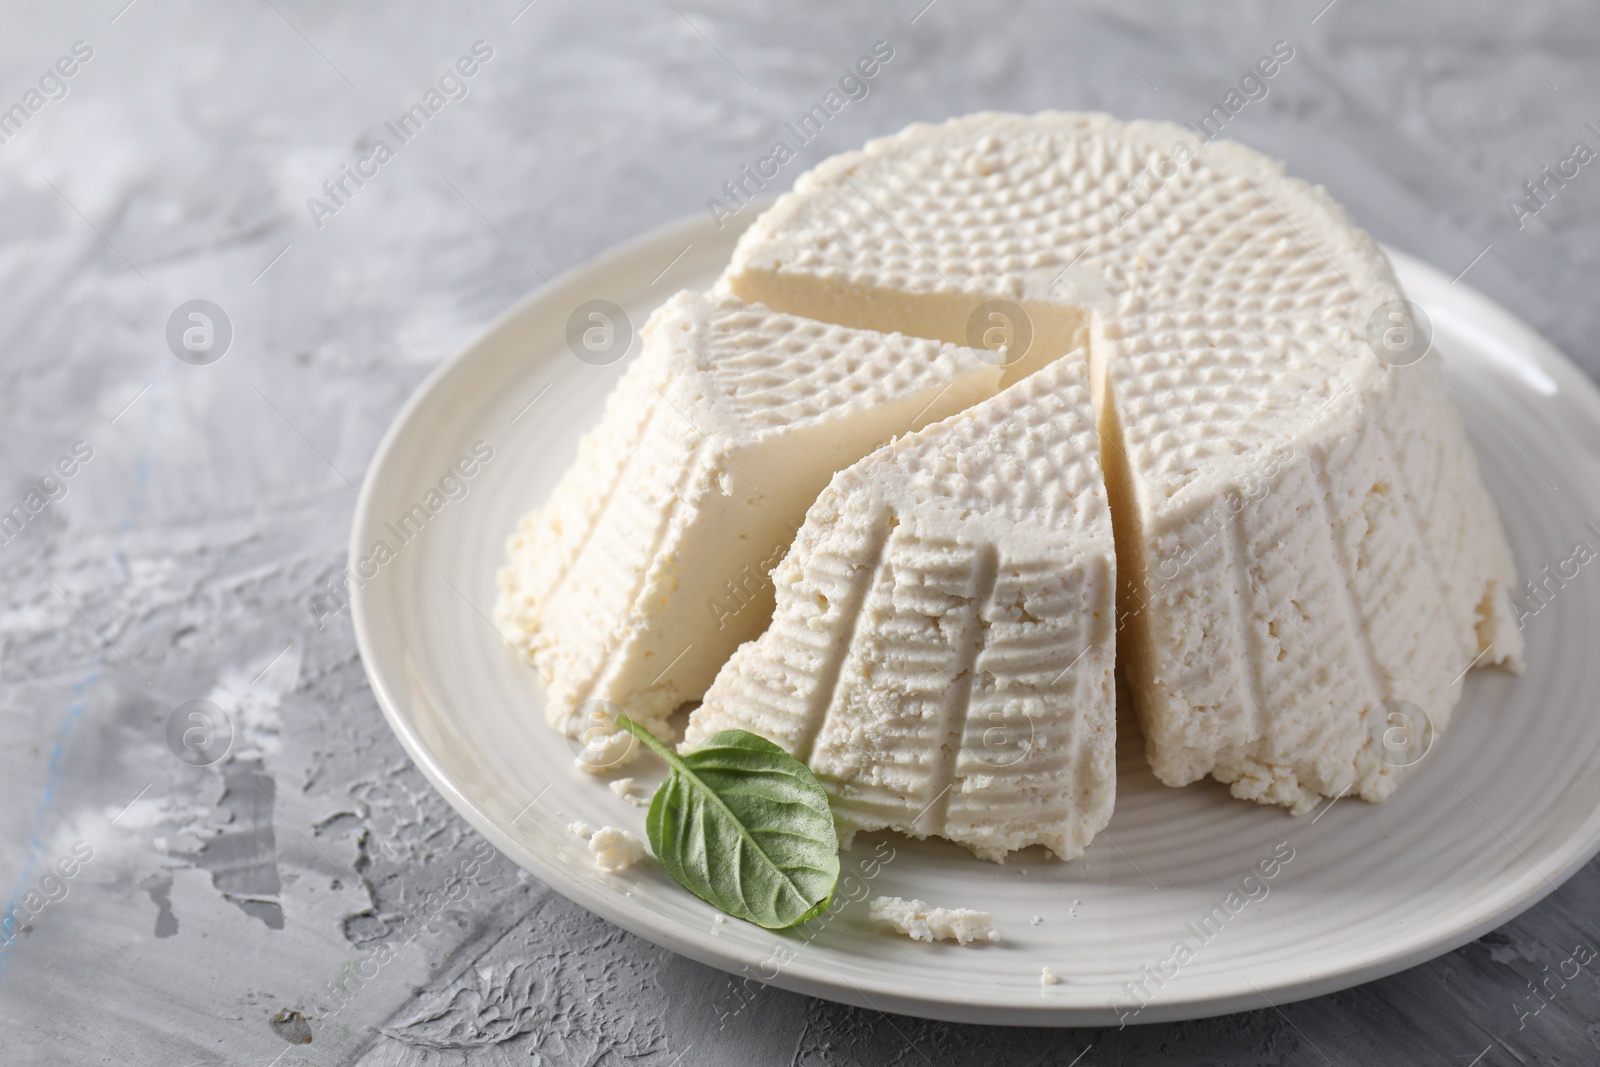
(745, 827)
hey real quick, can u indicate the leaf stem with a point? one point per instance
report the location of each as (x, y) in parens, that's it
(652, 744)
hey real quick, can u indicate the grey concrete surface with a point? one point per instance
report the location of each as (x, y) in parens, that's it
(179, 560)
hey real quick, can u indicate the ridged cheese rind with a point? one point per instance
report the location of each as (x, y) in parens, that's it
(649, 564)
(944, 639)
(1304, 537)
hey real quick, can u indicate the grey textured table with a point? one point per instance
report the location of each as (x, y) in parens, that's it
(180, 560)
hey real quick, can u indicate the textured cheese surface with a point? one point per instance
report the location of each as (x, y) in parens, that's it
(922, 922)
(1303, 535)
(649, 564)
(944, 640)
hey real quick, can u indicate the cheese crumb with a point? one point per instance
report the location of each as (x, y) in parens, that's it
(625, 788)
(921, 922)
(580, 829)
(1049, 977)
(603, 751)
(1036, 920)
(615, 850)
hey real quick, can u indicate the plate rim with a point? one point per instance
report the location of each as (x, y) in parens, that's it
(814, 978)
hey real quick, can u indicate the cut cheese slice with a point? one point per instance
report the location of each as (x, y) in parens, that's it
(650, 563)
(943, 645)
(1304, 540)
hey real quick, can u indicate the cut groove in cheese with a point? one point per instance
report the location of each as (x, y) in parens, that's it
(1301, 529)
(649, 564)
(944, 639)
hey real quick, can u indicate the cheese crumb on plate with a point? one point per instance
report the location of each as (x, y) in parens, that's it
(613, 849)
(631, 791)
(922, 922)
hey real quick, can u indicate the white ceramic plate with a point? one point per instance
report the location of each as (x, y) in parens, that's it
(1499, 813)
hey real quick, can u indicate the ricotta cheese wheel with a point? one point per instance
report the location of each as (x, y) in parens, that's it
(649, 565)
(942, 650)
(1305, 544)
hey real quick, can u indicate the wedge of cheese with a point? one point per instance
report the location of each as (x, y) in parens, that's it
(1302, 533)
(650, 563)
(943, 645)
